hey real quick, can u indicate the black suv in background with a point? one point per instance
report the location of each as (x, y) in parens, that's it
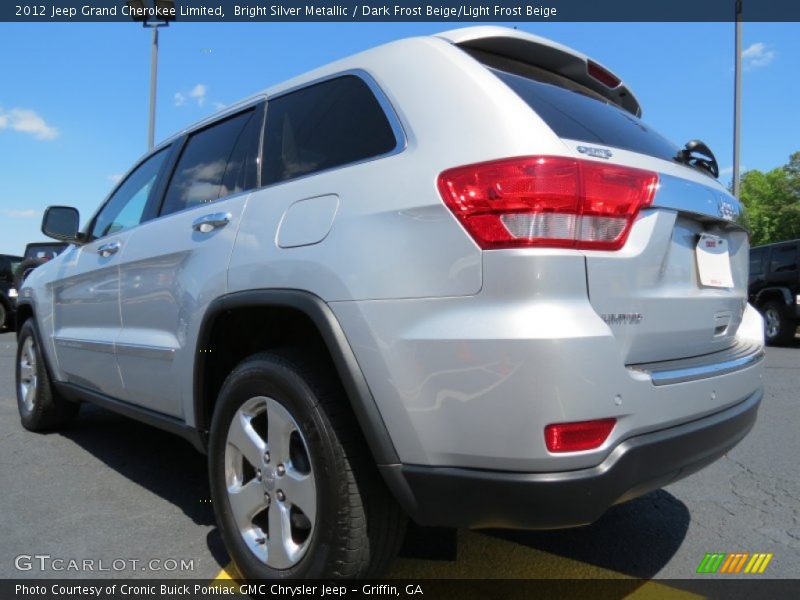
(8, 290)
(14, 270)
(36, 253)
(774, 288)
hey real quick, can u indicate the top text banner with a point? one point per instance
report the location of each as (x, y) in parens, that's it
(400, 10)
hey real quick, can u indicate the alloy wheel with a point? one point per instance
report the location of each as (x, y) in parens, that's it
(270, 482)
(772, 322)
(28, 379)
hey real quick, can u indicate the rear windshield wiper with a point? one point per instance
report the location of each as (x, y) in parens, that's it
(698, 155)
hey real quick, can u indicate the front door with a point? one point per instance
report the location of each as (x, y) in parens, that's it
(86, 316)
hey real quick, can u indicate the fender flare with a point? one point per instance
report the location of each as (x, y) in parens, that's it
(352, 378)
(787, 295)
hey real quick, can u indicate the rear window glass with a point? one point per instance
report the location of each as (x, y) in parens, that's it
(578, 116)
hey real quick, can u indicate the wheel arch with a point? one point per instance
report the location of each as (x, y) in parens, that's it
(321, 317)
(24, 311)
(774, 293)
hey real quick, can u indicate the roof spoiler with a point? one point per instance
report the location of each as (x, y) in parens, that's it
(548, 55)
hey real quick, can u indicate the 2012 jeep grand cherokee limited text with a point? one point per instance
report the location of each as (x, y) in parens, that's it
(452, 278)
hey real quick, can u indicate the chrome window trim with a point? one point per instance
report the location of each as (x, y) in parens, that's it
(401, 139)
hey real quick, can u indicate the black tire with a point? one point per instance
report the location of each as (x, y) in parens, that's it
(359, 526)
(25, 268)
(47, 411)
(779, 327)
(3, 316)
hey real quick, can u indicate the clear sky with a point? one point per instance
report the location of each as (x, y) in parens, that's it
(74, 97)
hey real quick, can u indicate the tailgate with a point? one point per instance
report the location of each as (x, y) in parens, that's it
(650, 293)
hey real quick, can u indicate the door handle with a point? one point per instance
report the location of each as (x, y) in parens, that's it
(108, 249)
(208, 223)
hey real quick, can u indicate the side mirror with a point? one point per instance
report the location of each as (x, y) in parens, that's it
(61, 223)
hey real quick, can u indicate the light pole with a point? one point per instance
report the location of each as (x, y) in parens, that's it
(164, 13)
(737, 97)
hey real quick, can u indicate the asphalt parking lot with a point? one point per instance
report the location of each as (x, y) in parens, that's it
(112, 488)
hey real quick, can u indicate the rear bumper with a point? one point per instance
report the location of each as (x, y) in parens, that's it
(472, 498)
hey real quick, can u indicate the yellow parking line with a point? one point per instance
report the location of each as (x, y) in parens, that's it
(482, 556)
(227, 576)
(485, 557)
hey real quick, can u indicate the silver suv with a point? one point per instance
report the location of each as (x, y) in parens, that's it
(452, 278)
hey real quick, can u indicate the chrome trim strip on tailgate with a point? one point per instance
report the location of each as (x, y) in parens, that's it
(739, 356)
(688, 196)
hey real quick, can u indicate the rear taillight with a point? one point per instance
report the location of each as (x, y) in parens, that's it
(547, 201)
(573, 437)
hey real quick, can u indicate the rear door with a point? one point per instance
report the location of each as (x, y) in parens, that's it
(176, 264)
(86, 317)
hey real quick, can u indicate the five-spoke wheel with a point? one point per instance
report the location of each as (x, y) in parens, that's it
(270, 482)
(293, 485)
(27, 373)
(41, 408)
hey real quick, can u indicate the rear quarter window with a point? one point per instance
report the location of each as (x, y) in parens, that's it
(575, 115)
(326, 125)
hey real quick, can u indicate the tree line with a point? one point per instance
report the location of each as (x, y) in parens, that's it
(772, 203)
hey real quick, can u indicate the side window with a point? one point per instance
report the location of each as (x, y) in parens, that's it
(326, 125)
(15, 263)
(125, 208)
(216, 162)
(756, 262)
(784, 259)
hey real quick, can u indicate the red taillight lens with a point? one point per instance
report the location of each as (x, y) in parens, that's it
(547, 201)
(605, 77)
(573, 437)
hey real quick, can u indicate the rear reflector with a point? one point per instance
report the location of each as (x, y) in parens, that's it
(573, 437)
(547, 201)
(607, 78)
